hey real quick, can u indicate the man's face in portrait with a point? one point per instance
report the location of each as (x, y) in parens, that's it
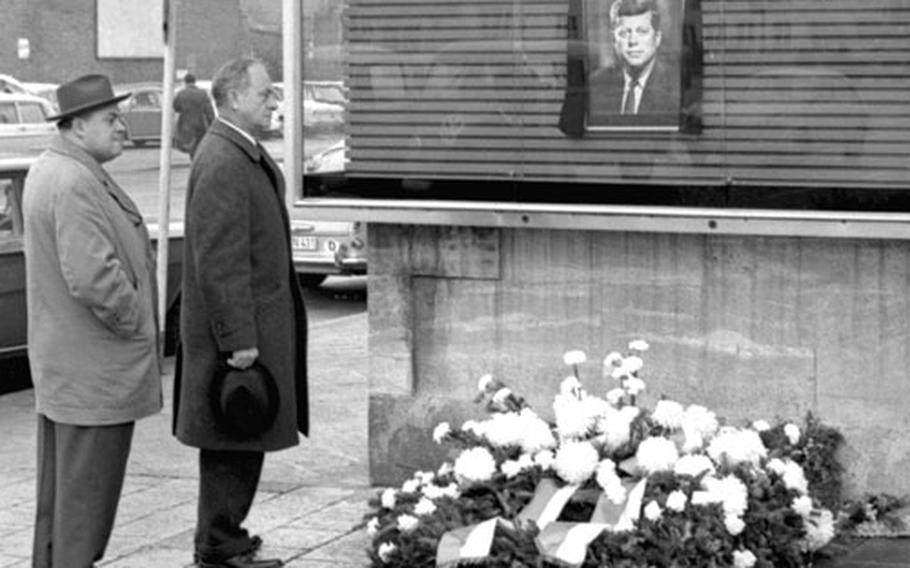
(635, 40)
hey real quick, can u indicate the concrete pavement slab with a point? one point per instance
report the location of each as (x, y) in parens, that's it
(311, 499)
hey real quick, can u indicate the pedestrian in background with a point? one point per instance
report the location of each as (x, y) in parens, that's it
(196, 115)
(242, 313)
(92, 328)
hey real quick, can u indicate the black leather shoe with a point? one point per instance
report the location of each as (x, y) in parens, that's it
(242, 561)
(255, 545)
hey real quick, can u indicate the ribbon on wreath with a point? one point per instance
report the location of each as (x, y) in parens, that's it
(561, 542)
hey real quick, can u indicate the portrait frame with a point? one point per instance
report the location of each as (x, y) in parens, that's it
(597, 85)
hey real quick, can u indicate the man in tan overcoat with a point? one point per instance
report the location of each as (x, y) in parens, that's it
(92, 329)
(241, 304)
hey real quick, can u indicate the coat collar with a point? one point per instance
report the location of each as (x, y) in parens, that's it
(253, 149)
(232, 133)
(61, 145)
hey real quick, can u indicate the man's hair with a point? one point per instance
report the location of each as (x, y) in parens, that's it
(621, 8)
(189, 79)
(233, 75)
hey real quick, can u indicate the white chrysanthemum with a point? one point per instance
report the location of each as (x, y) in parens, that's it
(610, 482)
(445, 469)
(694, 465)
(472, 426)
(733, 446)
(619, 373)
(570, 386)
(744, 559)
(386, 550)
(606, 472)
(484, 382)
(407, 523)
(656, 454)
(632, 364)
(676, 501)
(571, 419)
(510, 468)
(575, 462)
(653, 511)
(574, 357)
(802, 505)
(388, 498)
(536, 433)
(441, 431)
(761, 426)
(792, 473)
(373, 526)
(425, 477)
(734, 524)
(613, 359)
(732, 491)
(451, 490)
(410, 486)
(692, 439)
(792, 432)
(615, 427)
(525, 461)
(475, 464)
(424, 507)
(545, 459)
(705, 498)
(504, 429)
(701, 421)
(614, 396)
(432, 491)
(819, 530)
(639, 345)
(669, 414)
(634, 386)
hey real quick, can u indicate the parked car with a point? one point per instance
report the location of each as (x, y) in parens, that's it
(12, 86)
(24, 128)
(47, 91)
(142, 112)
(320, 115)
(323, 248)
(12, 263)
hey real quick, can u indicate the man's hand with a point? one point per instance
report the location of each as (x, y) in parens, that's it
(243, 358)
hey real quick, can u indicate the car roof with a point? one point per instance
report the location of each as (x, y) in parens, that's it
(16, 97)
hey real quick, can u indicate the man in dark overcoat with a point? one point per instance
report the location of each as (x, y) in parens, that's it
(196, 115)
(241, 304)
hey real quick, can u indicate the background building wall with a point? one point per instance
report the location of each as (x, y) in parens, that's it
(751, 327)
(62, 39)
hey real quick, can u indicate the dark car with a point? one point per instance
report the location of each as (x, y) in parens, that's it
(12, 263)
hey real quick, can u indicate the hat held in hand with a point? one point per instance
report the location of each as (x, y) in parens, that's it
(85, 93)
(245, 401)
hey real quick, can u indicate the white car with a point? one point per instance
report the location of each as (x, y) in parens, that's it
(12, 86)
(322, 248)
(24, 128)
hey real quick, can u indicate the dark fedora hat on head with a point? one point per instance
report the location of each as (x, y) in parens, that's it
(85, 93)
(244, 401)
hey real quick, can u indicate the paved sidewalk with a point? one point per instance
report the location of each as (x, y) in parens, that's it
(311, 499)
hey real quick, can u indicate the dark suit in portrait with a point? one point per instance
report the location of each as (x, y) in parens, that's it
(658, 101)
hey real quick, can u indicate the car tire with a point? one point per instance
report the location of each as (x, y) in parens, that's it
(311, 280)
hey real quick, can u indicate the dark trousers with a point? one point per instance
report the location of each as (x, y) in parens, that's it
(227, 486)
(80, 477)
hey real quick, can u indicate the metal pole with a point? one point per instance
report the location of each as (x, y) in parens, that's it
(291, 18)
(164, 172)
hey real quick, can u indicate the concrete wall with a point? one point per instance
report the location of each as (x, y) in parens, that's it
(752, 327)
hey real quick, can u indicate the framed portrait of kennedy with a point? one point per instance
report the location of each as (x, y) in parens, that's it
(633, 65)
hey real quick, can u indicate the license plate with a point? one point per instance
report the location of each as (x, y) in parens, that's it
(304, 243)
